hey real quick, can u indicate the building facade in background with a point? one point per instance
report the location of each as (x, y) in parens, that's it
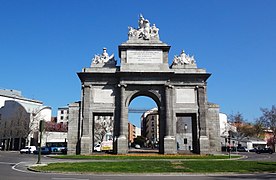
(62, 114)
(19, 119)
(150, 125)
(131, 132)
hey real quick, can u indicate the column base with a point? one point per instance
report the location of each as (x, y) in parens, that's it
(86, 145)
(122, 145)
(204, 145)
(170, 146)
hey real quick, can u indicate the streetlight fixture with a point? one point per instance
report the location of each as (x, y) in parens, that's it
(41, 129)
(185, 139)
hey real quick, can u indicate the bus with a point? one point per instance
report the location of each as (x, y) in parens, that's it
(56, 147)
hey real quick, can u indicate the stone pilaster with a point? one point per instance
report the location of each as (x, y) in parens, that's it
(122, 141)
(74, 131)
(86, 109)
(170, 146)
(203, 132)
(86, 139)
(214, 128)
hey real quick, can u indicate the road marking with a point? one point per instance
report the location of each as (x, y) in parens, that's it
(7, 163)
(14, 168)
(69, 179)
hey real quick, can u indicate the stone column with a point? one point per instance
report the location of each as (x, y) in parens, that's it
(202, 109)
(86, 141)
(169, 139)
(168, 111)
(122, 141)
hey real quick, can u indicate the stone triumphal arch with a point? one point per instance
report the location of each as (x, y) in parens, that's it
(179, 91)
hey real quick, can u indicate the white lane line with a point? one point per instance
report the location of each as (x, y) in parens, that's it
(14, 168)
(69, 179)
(7, 163)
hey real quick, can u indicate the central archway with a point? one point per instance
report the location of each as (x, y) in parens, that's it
(150, 124)
(143, 125)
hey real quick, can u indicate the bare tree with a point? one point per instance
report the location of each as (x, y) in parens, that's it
(258, 128)
(28, 124)
(22, 123)
(268, 119)
(243, 129)
(102, 126)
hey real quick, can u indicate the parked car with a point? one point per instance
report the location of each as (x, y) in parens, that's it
(137, 146)
(264, 150)
(44, 150)
(64, 151)
(97, 147)
(242, 149)
(28, 149)
(252, 150)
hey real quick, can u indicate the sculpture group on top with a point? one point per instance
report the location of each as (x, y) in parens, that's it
(104, 58)
(144, 31)
(183, 59)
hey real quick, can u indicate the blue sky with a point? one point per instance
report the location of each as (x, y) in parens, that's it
(43, 44)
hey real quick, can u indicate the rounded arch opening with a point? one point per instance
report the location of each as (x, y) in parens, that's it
(143, 122)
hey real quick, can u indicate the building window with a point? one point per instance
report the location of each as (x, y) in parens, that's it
(61, 117)
(152, 123)
(61, 112)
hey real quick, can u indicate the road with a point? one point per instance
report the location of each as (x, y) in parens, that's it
(13, 166)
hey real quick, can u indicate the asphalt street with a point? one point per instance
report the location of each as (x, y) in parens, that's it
(13, 166)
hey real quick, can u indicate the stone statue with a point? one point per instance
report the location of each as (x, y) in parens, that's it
(103, 58)
(183, 59)
(144, 31)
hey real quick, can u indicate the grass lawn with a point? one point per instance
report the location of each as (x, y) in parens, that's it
(143, 156)
(162, 167)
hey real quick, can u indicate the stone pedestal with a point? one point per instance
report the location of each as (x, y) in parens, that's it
(122, 145)
(170, 146)
(86, 145)
(204, 145)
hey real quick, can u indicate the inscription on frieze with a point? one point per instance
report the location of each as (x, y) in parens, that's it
(144, 56)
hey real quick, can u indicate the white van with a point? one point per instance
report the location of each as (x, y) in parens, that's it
(28, 149)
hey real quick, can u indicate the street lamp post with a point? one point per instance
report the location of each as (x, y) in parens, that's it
(229, 141)
(185, 139)
(41, 129)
